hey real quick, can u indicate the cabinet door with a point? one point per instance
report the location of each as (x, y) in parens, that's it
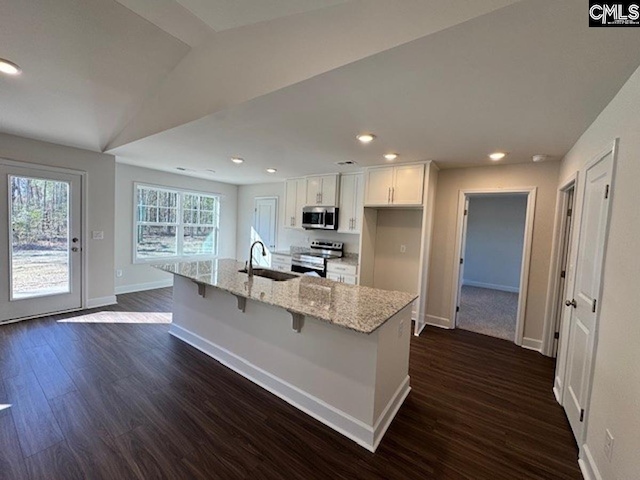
(407, 185)
(358, 201)
(349, 279)
(347, 203)
(379, 182)
(333, 276)
(314, 190)
(290, 203)
(301, 197)
(329, 191)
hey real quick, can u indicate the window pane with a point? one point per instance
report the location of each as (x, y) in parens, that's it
(206, 218)
(39, 219)
(189, 201)
(157, 241)
(199, 241)
(206, 203)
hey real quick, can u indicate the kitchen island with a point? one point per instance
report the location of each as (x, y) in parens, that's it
(338, 352)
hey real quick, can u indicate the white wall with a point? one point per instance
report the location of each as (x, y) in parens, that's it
(286, 237)
(140, 276)
(495, 238)
(100, 172)
(615, 399)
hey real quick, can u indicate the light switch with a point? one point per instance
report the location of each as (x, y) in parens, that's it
(403, 249)
(97, 235)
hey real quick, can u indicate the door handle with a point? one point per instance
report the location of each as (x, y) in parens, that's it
(74, 249)
(571, 303)
(74, 240)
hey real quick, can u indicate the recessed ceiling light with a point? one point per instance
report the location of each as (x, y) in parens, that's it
(271, 170)
(391, 156)
(237, 160)
(497, 156)
(9, 68)
(366, 137)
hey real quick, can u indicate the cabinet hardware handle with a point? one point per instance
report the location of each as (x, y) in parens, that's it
(393, 193)
(571, 303)
(389, 195)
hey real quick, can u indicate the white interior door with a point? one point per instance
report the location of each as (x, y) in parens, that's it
(265, 227)
(563, 315)
(40, 242)
(463, 248)
(586, 291)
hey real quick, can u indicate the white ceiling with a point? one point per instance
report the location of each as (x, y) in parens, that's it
(227, 14)
(87, 66)
(498, 82)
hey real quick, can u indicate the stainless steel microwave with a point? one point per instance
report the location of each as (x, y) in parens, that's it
(320, 218)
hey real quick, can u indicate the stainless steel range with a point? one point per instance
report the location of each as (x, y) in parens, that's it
(316, 259)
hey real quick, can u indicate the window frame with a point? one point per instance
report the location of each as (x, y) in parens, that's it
(180, 225)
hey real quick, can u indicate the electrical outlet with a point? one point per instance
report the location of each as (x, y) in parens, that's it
(401, 329)
(608, 444)
(403, 249)
(119, 273)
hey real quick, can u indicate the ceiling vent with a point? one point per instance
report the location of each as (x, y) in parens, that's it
(347, 162)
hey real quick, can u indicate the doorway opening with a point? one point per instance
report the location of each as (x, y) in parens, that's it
(264, 228)
(494, 245)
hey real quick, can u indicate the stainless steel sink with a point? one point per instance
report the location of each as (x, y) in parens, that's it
(271, 274)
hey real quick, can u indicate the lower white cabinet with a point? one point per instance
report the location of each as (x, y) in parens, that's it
(343, 273)
(348, 279)
(281, 262)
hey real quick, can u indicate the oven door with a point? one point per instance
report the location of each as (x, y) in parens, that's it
(304, 267)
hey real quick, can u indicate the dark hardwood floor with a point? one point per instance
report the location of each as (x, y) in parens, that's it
(119, 401)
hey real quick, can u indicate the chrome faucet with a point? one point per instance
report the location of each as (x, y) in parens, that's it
(264, 254)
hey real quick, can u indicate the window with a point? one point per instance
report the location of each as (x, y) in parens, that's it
(172, 223)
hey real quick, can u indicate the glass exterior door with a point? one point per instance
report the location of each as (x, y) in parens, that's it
(41, 242)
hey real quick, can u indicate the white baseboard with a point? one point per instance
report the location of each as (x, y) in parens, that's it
(141, 287)
(556, 393)
(435, 321)
(101, 301)
(532, 344)
(503, 288)
(419, 328)
(364, 435)
(588, 465)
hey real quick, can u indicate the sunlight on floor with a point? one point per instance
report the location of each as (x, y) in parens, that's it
(4, 406)
(121, 317)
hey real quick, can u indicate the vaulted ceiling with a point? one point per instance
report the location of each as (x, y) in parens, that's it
(289, 83)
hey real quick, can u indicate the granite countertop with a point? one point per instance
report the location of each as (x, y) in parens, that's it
(362, 309)
(346, 260)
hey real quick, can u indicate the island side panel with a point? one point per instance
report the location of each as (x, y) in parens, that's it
(392, 369)
(335, 365)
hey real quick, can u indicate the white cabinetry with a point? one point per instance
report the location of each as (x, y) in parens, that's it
(322, 190)
(281, 262)
(351, 200)
(343, 273)
(295, 198)
(401, 185)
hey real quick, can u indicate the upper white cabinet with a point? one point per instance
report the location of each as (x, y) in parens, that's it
(399, 185)
(351, 200)
(295, 198)
(322, 190)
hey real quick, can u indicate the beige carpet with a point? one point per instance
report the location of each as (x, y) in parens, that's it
(490, 312)
(121, 317)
